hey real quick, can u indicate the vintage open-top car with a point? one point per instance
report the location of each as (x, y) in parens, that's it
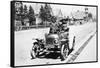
(55, 42)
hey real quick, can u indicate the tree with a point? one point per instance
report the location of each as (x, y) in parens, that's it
(31, 16)
(90, 15)
(24, 13)
(45, 13)
(42, 14)
(21, 11)
(18, 10)
(25, 9)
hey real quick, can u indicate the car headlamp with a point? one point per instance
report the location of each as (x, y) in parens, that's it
(56, 41)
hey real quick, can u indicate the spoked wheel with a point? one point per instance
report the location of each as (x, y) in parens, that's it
(35, 51)
(64, 52)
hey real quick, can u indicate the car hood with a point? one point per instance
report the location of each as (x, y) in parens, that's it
(50, 38)
(55, 36)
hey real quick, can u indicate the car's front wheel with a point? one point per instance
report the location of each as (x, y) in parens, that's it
(64, 52)
(35, 51)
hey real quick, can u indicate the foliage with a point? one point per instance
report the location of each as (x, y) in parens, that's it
(45, 13)
(31, 15)
(90, 15)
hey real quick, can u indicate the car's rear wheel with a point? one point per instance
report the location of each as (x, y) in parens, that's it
(35, 51)
(64, 52)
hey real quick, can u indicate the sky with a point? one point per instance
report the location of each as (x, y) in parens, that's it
(66, 9)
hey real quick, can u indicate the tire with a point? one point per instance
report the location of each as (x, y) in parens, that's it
(34, 51)
(64, 52)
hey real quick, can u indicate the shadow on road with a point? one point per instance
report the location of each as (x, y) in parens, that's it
(51, 55)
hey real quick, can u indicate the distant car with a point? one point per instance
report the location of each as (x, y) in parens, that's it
(53, 42)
